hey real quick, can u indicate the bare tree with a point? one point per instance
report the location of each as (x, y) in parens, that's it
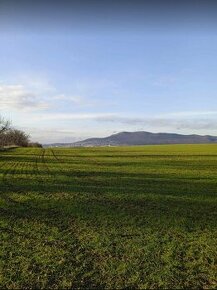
(4, 125)
(16, 137)
(4, 128)
(10, 136)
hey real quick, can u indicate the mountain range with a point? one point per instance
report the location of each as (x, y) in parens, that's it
(140, 138)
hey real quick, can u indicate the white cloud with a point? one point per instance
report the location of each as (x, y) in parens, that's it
(18, 97)
(80, 116)
(191, 114)
(195, 121)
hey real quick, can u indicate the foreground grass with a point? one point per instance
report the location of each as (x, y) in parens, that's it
(136, 217)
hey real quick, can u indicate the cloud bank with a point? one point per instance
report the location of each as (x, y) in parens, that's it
(17, 97)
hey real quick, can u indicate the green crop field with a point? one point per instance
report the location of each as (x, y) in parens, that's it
(112, 217)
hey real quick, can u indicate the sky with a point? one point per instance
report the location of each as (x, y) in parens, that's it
(70, 70)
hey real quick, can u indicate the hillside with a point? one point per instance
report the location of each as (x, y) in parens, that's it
(141, 138)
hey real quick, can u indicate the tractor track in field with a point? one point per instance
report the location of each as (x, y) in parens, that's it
(18, 173)
(42, 169)
(60, 162)
(57, 160)
(38, 160)
(47, 169)
(45, 161)
(50, 174)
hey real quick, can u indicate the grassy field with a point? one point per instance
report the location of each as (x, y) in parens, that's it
(129, 217)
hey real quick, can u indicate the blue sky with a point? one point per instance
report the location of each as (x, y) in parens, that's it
(69, 83)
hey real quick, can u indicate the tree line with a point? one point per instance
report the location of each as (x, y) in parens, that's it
(10, 136)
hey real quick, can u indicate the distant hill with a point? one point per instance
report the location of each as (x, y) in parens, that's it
(140, 138)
